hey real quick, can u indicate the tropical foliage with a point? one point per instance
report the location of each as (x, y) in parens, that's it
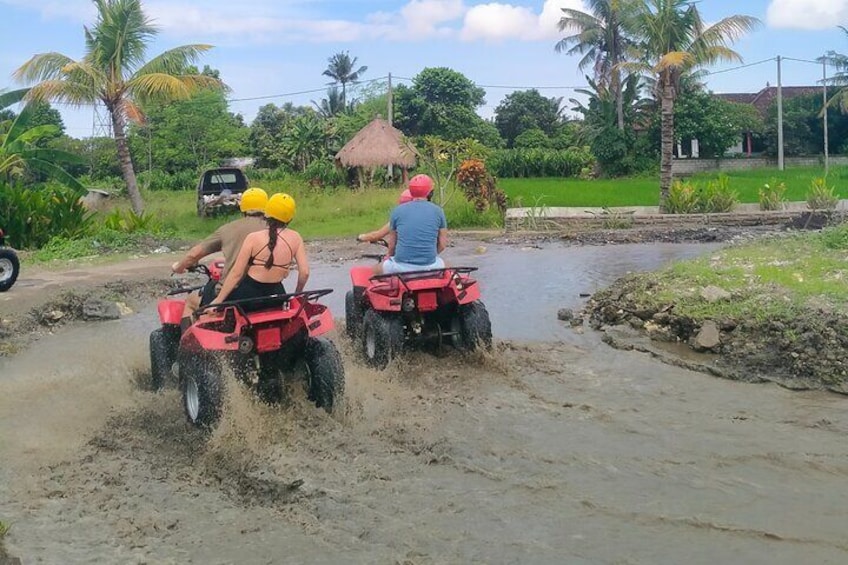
(113, 72)
(342, 69)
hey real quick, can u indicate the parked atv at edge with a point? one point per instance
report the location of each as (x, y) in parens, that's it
(266, 342)
(10, 266)
(388, 313)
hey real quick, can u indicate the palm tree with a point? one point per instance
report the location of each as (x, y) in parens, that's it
(19, 149)
(331, 105)
(675, 41)
(340, 68)
(113, 72)
(601, 36)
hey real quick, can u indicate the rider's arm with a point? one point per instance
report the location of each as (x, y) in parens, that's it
(391, 241)
(211, 244)
(443, 240)
(302, 267)
(376, 235)
(237, 271)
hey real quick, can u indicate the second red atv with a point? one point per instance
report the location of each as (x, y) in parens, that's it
(387, 313)
(265, 342)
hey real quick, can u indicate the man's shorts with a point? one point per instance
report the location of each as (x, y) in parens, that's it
(208, 292)
(390, 266)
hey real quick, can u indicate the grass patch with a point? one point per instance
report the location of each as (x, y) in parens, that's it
(772, 279)
(338, 212)
(4, 529)
(644, 191)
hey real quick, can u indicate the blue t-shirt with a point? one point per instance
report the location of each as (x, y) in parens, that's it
(417, 225)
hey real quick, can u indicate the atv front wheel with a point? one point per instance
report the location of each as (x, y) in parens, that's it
(382, 338)
(353, 312)
(163, 353)
(203, 389)
(9, 269)
(325, 379)
(472, 327)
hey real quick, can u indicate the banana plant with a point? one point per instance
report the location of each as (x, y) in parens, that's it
(19, 150)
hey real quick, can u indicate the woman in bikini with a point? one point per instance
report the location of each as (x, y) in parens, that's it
(264, 259)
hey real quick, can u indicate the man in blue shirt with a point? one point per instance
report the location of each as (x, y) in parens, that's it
(419, 232)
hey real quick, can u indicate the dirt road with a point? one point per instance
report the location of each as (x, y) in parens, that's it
(542, 452)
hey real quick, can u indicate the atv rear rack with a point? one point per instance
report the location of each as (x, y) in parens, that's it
(271, 300)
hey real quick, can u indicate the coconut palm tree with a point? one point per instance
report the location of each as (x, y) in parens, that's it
(340, 68)
(674, 41)
(602, 38)
(331, 105)
(113, 72)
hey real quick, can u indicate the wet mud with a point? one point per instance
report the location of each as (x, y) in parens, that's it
(548, 449)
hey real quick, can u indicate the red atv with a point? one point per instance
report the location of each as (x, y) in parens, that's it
(9, 264)
(390, 312)
(266, 342)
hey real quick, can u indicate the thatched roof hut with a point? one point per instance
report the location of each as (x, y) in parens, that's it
(377, 145)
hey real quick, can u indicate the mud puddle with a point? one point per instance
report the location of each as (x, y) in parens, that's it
(537, 453)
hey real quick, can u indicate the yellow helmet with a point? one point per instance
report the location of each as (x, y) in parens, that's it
(281, 207)
(253, 200)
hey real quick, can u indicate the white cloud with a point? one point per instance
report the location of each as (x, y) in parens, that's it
(807, 14)
(496, 22)
(299, 21)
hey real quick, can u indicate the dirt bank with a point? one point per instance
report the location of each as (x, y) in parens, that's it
(800, 346)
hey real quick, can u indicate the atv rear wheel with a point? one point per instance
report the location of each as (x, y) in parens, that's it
(202, 388)
(164, 342)
(354, 311)
(9, 268)
(325, 379)
(472, 326)
(382, 338)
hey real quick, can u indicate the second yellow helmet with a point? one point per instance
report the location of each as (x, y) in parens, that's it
(281, 207)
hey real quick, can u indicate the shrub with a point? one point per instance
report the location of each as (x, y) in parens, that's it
(682, 198)
(772, 195)
(31, 217)
(160, 180)
(717, 196)
(479, 186)
(820, 196)
(323, 173)
(520, 163)
(127, 221)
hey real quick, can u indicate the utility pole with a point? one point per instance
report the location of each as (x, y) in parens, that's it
(824, 115)
(390, 109)
(779, 118)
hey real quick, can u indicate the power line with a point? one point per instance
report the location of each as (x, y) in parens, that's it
(290, 94)
(711, 73)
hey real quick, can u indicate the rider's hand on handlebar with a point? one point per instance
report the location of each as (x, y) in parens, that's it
(361, 238)
(177, 268)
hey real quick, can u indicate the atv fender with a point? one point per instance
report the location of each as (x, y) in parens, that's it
(320, 319)
(171, 311)
(360, 276)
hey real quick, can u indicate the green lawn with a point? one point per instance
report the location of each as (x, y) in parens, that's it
(644, 191)
(320, 213)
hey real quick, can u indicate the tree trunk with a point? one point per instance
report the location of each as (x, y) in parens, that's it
(119, 131)
(619, 97)
(666, 174)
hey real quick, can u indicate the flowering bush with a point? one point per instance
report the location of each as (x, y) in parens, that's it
(479, 186)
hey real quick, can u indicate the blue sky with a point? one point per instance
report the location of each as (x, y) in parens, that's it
(266, 47)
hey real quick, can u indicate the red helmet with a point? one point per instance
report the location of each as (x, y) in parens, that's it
(405, 197)
(420, 186)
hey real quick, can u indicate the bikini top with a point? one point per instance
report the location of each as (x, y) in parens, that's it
(252, 261)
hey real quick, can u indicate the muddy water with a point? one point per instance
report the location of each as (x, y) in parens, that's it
(543, 452)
